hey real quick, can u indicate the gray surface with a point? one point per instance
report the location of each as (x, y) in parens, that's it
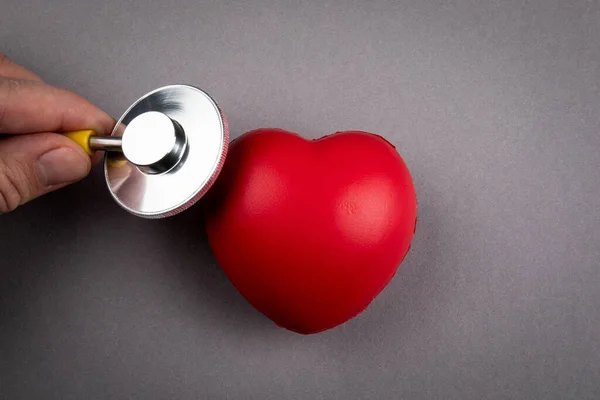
(494, 106)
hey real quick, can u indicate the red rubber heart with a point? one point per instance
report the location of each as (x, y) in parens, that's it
(310, 231)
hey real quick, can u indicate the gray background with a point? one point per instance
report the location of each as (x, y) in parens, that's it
(495, 107)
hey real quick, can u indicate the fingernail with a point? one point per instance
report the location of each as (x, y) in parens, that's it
(60, 166)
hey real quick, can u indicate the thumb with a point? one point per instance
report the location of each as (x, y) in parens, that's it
(35, 164)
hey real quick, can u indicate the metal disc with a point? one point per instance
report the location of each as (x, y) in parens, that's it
(157, 195)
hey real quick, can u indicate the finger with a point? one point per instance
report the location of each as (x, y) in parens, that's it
(10, 69)
(30, 106)
(32, 165)
(97, 158)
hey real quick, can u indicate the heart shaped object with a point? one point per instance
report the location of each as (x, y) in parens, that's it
(311, 231)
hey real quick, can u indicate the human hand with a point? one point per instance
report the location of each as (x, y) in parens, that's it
(34, 158)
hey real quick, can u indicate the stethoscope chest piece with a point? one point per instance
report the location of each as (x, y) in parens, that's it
(170, 146)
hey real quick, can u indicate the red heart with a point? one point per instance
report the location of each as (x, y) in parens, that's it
(310, 231)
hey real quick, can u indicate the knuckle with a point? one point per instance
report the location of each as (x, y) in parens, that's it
(14, 189)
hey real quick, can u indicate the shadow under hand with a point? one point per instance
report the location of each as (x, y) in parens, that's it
(79, 236)
(43, 239)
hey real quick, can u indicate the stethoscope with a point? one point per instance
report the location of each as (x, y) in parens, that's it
(164, 153)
